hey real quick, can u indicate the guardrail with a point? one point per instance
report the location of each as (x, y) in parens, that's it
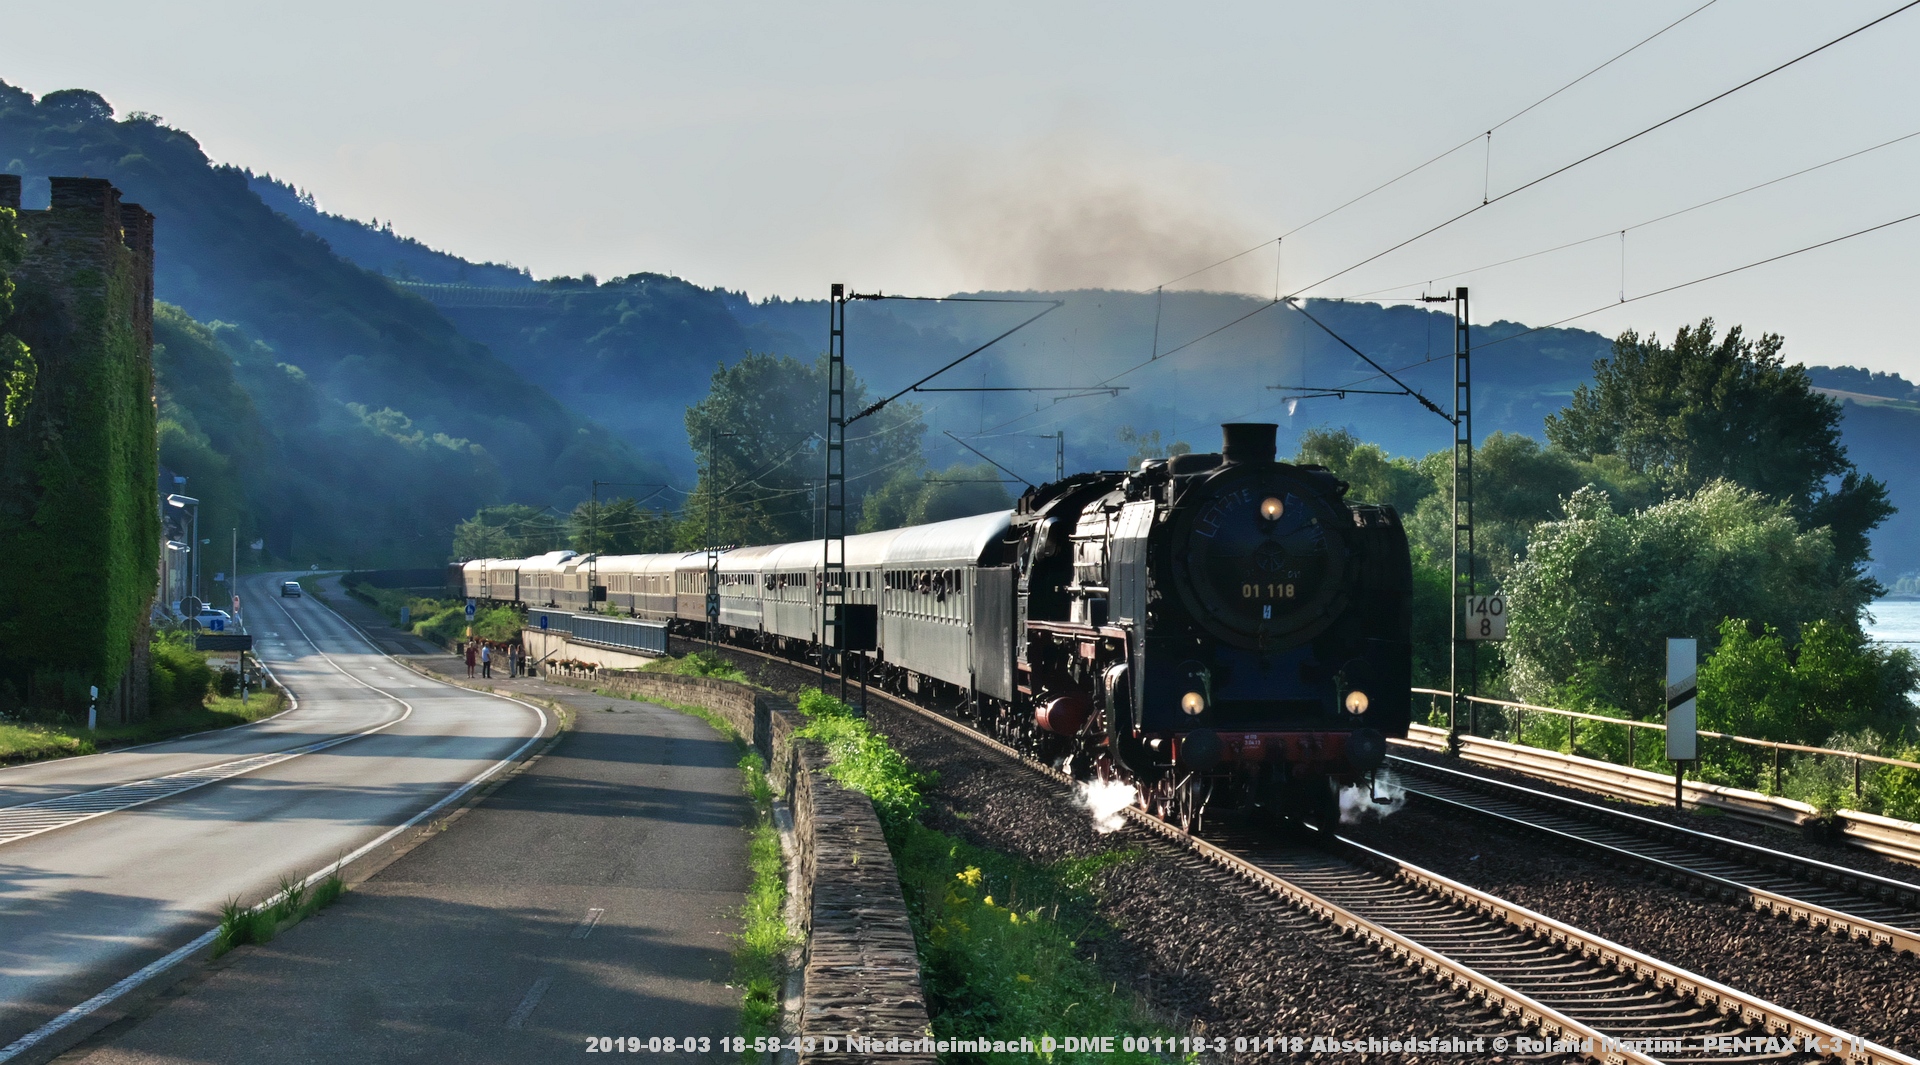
(1882, 835)
(1574, 717)
(621, 634)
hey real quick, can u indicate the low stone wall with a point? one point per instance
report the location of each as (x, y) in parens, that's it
(861, 971)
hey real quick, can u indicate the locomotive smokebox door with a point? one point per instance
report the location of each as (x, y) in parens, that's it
(863, 626)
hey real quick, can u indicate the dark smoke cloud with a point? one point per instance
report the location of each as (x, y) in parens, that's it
(1068, 212)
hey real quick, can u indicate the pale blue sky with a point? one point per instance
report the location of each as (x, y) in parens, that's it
(915, 147)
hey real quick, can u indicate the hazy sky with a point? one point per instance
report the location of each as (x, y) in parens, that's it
(930, 148)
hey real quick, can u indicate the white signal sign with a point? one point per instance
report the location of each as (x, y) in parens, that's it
(1486, 618)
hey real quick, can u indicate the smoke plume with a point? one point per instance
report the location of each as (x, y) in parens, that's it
(1068, 212)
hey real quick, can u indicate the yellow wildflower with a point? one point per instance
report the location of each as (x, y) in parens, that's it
(970, 877)
(1024, 978)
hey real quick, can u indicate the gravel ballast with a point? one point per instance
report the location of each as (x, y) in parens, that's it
(1869, 991)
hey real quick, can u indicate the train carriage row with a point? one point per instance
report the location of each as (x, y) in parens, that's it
(925, 582)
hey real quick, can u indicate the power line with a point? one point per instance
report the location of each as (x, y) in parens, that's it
(1703, 280)
(1490, 129)
(1622, 142)
(1651, 221)
(1511, 192)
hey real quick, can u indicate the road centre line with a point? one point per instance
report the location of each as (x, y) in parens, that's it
(585, 928)
(528, 1002)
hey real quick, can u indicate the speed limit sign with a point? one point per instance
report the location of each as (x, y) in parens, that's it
(1486, 618)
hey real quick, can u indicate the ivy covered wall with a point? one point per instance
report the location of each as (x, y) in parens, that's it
(79, 506)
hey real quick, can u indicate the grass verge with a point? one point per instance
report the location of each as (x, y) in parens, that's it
(1000, 939)
(698, 664)
(760, 949)
(33, 741)
(295, 902)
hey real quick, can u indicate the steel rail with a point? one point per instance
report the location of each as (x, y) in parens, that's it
(1706, 1008)
(1898, 898)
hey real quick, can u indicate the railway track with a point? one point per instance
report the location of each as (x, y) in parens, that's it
(1847, 902)
(1582, 994)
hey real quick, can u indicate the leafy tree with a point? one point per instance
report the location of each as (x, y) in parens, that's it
(514, 530)
(1598, 592)
(916, 498)
(1374, 476)
(619, 527)
(1147, 445)
(759, 483)
(1705, 409)
(1755, 683)
(1517, 484)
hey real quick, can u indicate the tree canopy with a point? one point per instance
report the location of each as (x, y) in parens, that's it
(1599, 592)
(758, 432)
(619, 527)
(911, 497)
(1727, 408)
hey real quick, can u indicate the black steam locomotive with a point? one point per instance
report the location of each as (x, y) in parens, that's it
(1213, 626)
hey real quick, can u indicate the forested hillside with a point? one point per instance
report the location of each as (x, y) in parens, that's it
(223, 255)
(267, 452)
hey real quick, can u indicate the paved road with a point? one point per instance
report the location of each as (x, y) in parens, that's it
(592, 895)
(85, 905)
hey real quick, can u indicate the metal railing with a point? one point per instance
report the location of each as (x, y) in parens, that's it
(621, 634)
(1520, 710)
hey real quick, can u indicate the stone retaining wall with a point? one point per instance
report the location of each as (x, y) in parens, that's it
(861, 971)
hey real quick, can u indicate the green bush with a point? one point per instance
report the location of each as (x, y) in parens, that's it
(178, 677)
(1900, 788)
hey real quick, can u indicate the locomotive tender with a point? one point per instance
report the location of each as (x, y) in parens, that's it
(1207, 627)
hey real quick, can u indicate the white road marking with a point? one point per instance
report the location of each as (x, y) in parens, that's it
(528, 1002)
(585, 928)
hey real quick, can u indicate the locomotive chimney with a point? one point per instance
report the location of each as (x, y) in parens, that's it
(1247, 442)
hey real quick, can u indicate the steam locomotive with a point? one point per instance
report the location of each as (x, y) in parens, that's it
(1210, 628)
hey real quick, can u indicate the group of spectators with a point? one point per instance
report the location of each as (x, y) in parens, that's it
(483, 654)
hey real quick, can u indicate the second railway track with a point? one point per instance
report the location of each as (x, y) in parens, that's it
(1582, 993)
(1842, 900)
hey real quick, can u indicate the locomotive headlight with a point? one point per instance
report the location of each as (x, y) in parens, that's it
(1271, 508)
(1193, 702)
(1356, 702)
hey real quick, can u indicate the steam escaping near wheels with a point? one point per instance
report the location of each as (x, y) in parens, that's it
(1358, 803)
(1104, 799)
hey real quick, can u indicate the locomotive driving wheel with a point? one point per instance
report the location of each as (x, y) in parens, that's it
(1187, 802)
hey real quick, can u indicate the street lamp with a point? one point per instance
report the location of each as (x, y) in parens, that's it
(183, 502)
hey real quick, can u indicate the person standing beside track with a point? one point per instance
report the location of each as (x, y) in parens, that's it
(472, 655)
(486, 660)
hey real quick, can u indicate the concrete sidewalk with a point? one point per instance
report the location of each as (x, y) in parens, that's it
(592, 895)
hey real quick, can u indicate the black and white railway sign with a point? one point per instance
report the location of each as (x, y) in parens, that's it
(1486, 618)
